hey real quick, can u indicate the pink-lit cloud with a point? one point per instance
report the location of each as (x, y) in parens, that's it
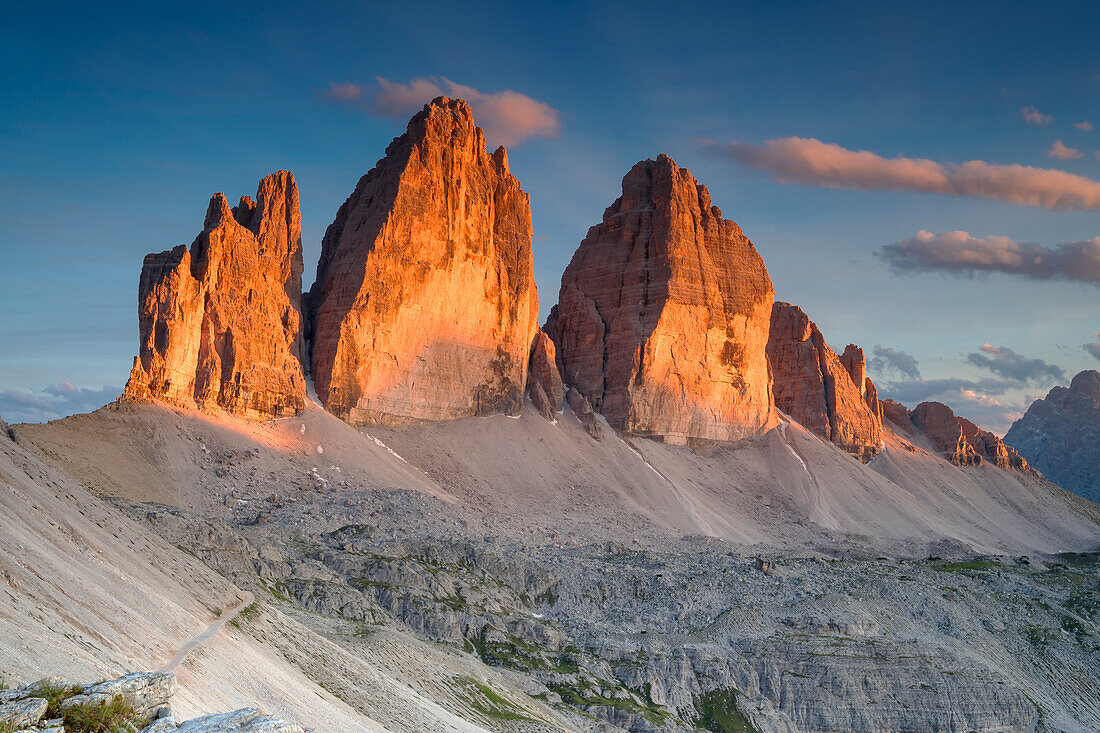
(1061, 151)
(964, 254)
(1033, 116)
(1083, 126)
(508, 117)
(811, 162)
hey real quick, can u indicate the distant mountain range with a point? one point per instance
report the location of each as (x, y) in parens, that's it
(1060, 435)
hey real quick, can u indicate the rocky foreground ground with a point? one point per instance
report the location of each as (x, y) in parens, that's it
(621, 637)
(134, 703)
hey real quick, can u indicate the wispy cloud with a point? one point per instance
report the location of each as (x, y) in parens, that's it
(52, 402)
(1006, 363)
(811, 162)
(887, 360)
(1093, 347)
(1033, 116)
(961, 253)
(1083, 126)
(1061, 151)
(979, 400)
(508, 117)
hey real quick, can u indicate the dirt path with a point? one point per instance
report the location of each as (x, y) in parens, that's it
(227, 615)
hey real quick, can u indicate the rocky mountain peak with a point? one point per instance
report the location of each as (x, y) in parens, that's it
(662, 317)
(829, 395)
(425, 304)
(1060, 435)
(220, 323)
(1087, 383)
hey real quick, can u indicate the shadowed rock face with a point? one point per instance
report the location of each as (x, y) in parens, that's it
(827, 394)
(961, 441)
(1060, 435)
(544, 385)
(425, 304)
(662, 318)
(221, 323)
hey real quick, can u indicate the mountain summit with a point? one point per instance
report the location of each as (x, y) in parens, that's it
(1060, 435)
(221, 323)
(662, 318)
(425, 303)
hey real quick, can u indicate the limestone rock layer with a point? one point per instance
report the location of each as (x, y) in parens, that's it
(662, 318)
(828, 394)
(425, 303)
(220, 323)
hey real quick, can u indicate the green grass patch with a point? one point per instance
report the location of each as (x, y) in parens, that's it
(112, 717)
(586, 697)
(484, 700)
(718, 713)
(247, 613)
(54, 697)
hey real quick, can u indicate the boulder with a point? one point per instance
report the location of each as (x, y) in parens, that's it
(22, 713)
(145, 692)
(220, 323)
(247, 720)
(662, 317)
(817, 388)
(425, 303)
(1060, 435)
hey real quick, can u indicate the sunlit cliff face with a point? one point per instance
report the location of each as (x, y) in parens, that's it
(425, 304)
(662, 319)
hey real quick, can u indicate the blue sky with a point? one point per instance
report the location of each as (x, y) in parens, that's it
(118, 123)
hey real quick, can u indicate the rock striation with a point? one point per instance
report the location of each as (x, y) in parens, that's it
(826, 393)
(425, 304)
(961, 441)
(1060, 435)
(220, 323)
(662, 317)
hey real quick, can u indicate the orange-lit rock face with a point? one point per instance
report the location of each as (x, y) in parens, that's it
(221, 324)
(662, 318)
(896, 413)
(961, 441)
(819, 390)
(855, 363)
(425, 303)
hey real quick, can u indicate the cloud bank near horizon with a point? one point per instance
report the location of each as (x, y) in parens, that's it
(811, 162)
(961, 253)
(507, 117)
(52, 402)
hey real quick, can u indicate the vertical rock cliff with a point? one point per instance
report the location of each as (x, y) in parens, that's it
(220, 323)
(826, 393)
(662, 318)
(425, 304)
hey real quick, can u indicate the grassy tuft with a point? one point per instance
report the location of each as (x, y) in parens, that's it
(115, 716)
